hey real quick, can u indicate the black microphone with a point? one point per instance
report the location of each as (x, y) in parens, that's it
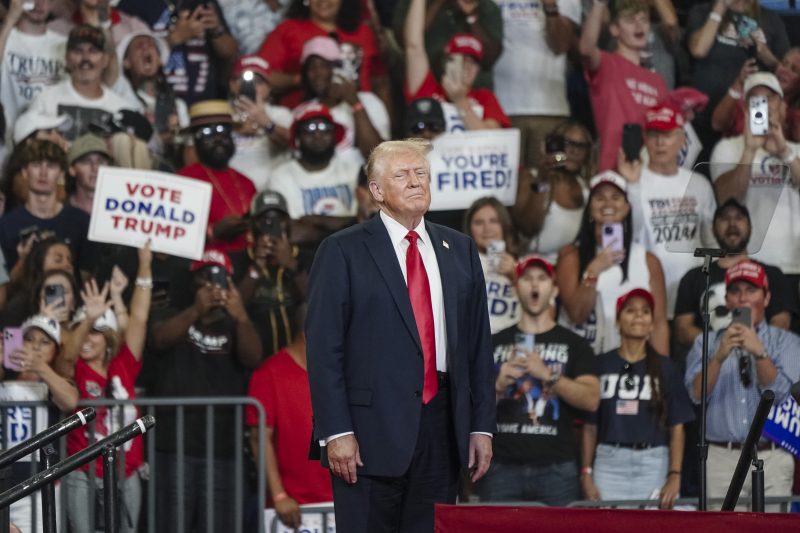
(81, 418)
(795, 392)
(88, 454)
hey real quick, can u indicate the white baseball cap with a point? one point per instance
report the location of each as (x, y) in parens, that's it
(49, 325)
(31, 122)
(762, 79)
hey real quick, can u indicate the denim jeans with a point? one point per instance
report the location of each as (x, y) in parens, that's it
(79, 493)
(628, 474)
(554, 484)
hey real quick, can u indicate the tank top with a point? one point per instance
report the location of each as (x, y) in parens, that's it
(560, 228)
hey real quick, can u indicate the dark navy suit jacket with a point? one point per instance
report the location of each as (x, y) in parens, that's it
(365, 363)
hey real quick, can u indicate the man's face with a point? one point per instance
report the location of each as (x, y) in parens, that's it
(86, 63)
(404, 187)
(142, 58)
(742, 293)
(85, 170)
(663, 147)
(214, 145)
(319, 73)
(535, 290)
(43, 176)
(40, 12)
(732, 230)
(631, 29)
(316, 139)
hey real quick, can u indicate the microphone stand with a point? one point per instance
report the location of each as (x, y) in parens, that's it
(707, 254)
(81, 418)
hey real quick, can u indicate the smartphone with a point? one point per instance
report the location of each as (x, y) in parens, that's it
(25, 233)
(218, 277)
(269, 226)
(759, 115)
(454, 68)
(247, 85)
(745, 26)
(556, 146)
(612, 235)
(524, 344)
(632, 141)
(12, 341)
(494, 253)
(54, 293)
(742, 315)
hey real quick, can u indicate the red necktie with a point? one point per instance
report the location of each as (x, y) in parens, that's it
(419, 291)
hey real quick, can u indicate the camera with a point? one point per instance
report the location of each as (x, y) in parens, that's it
(759, 115)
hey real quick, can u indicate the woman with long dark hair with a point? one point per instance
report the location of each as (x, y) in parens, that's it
(340, 19)
(597, 269)
(633, 444)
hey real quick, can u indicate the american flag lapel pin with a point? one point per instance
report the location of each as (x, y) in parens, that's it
(444, 243)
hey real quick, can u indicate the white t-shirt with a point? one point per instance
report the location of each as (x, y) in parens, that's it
(501, 296)
(773, 203)
(600, 329)
(256, 156)
(30, 63)
(330, 191)
(675, 216)
(62, 99)
(529, 78)
(343, 114)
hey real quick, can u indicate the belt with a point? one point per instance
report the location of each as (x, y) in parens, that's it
(631, 445)
(443, 378)
(761, 446)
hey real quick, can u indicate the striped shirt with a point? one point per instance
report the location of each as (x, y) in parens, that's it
(731, 405)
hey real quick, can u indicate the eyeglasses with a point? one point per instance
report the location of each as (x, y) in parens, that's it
(207, 131)
(577, 145)
(745, 370)
(322, 126)
(628, 381)
(421, 126)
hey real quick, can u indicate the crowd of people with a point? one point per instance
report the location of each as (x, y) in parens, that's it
(594, 295)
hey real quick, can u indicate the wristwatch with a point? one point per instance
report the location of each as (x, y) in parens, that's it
(554, 377)
(762, 355)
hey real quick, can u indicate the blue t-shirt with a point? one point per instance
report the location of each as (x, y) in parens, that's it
(626, 413)
(71, 224)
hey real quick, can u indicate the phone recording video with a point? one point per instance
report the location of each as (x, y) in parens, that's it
(556, 146)
(759, 115)
(247, 85)
(612, 235)
(54, 294)
(632, 141)
(217, 276)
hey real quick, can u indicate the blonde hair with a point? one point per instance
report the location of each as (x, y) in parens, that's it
(387, 149)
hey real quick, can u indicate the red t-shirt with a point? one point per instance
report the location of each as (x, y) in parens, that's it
(621, 92)
(284, 46)
(431, 88)
(118, 384)
(281, 385)
(231, 194)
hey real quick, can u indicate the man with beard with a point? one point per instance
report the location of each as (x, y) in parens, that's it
(538, 363)
(319, 181)
(83, 96)
(32, 57)
(732, 230)
(211, 124)
(205, 350)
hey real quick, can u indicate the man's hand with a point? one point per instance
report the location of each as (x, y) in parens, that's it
(15, 11)
(233, 303)
(188, 26)
(345, 90)
(536, 366)
(480, 455)
(510, 371)
(289, 512)
(750, 340)
(344, 457)
(731, 338)
(630, 170)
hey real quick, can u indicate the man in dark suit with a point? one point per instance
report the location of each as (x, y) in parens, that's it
(399, 355)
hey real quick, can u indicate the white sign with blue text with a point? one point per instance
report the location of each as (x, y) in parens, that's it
(469, 165)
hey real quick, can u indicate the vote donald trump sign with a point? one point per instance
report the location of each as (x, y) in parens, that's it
(131, 206)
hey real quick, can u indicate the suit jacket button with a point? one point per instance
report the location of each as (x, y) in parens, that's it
(417, 393)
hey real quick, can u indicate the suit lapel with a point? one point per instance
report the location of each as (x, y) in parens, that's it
(447, 269)
(382, 250)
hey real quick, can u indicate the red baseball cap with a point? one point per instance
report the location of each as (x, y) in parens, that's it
(664, 117)
(466, 44)
(310, 111)
(534, 260)
(635, 293)
(253, 63)
(213, 257)
(749, 271)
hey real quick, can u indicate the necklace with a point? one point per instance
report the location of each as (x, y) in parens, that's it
(241, 206)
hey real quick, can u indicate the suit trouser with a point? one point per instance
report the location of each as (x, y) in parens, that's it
(376, 504)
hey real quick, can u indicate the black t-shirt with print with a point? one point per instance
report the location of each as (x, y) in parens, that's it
(626, 413)
(534, 426)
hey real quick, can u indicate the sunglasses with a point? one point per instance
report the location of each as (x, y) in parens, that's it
(628, 380)
(419, 127)
(745, 370)
(576, 144)
(322, 126)
(207, 131)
